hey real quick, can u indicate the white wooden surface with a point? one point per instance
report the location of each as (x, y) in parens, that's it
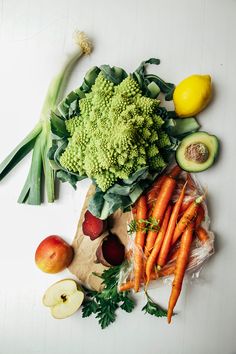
(189, 37)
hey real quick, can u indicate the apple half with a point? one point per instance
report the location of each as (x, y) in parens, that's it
(64, 298)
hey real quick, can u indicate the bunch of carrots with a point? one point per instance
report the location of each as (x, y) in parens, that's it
(156, 247)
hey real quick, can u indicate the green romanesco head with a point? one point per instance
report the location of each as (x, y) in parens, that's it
(116, 133)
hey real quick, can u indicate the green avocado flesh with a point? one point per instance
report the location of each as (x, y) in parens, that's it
(197, 152)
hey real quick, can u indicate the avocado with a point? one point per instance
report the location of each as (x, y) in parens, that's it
(197, 152)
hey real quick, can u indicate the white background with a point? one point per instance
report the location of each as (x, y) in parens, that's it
(189, 37)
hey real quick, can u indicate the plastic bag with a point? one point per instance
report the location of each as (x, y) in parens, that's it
(200, 252)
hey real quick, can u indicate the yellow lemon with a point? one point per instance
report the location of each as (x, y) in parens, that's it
(192, 95)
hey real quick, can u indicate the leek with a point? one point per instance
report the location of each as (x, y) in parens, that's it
(40, 138)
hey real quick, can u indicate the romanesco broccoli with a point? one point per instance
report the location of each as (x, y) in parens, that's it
(116, 133)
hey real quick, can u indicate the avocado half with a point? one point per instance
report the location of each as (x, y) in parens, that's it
(197, 152)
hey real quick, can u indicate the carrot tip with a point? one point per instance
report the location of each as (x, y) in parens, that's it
(169, 315)
(159, 267)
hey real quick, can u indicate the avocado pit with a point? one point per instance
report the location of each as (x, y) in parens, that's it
(197, 152)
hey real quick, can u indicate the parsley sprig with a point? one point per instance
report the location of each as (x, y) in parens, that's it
(105, 303)
(153, 308)
(150, 224)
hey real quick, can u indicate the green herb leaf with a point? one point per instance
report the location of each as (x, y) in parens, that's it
(128, 304)
(153, 309)
(150, 224)
(89, 307)
(106, 313)
(105, 303)
(132, 227)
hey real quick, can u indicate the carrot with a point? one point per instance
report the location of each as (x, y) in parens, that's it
(200, 216)
(187, 217)
(202, 234)
(127, 286)
(175, 172)
(139, 242)
(170, 230)
(185, 206)
(173, 255)
(181, 264)
(157, 246)
(160, 206)
(166, 271)
(155, 189)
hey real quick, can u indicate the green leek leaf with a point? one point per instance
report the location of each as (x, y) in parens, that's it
(19, 152)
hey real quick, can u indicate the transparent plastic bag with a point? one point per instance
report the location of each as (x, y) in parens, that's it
(200, 252)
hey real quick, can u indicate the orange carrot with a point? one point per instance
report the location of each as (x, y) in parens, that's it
(181, 264)
(155, 189)
(160, 206)
(170, 230)
(127, 286)
(173, 255)
(200, 216)
(187, 217)
(175, 172)
(139, 242)
(202, 234)
(166, 271)
(185, 206)
(157, 246)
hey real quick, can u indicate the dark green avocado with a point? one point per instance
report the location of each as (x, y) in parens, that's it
(197, 152)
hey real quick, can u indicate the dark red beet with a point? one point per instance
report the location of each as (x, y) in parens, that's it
(92, 226)
(113, 250)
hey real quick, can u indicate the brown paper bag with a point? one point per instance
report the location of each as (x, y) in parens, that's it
(85, 262)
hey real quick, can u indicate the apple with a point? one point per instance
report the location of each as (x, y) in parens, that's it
(64, 298)
(53, 254)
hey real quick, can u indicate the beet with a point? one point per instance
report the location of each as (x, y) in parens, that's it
(92, 226)
(113, 250)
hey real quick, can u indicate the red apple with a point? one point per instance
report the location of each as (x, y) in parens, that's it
(53, 254)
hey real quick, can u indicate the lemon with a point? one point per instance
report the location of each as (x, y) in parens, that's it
(192, 95)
